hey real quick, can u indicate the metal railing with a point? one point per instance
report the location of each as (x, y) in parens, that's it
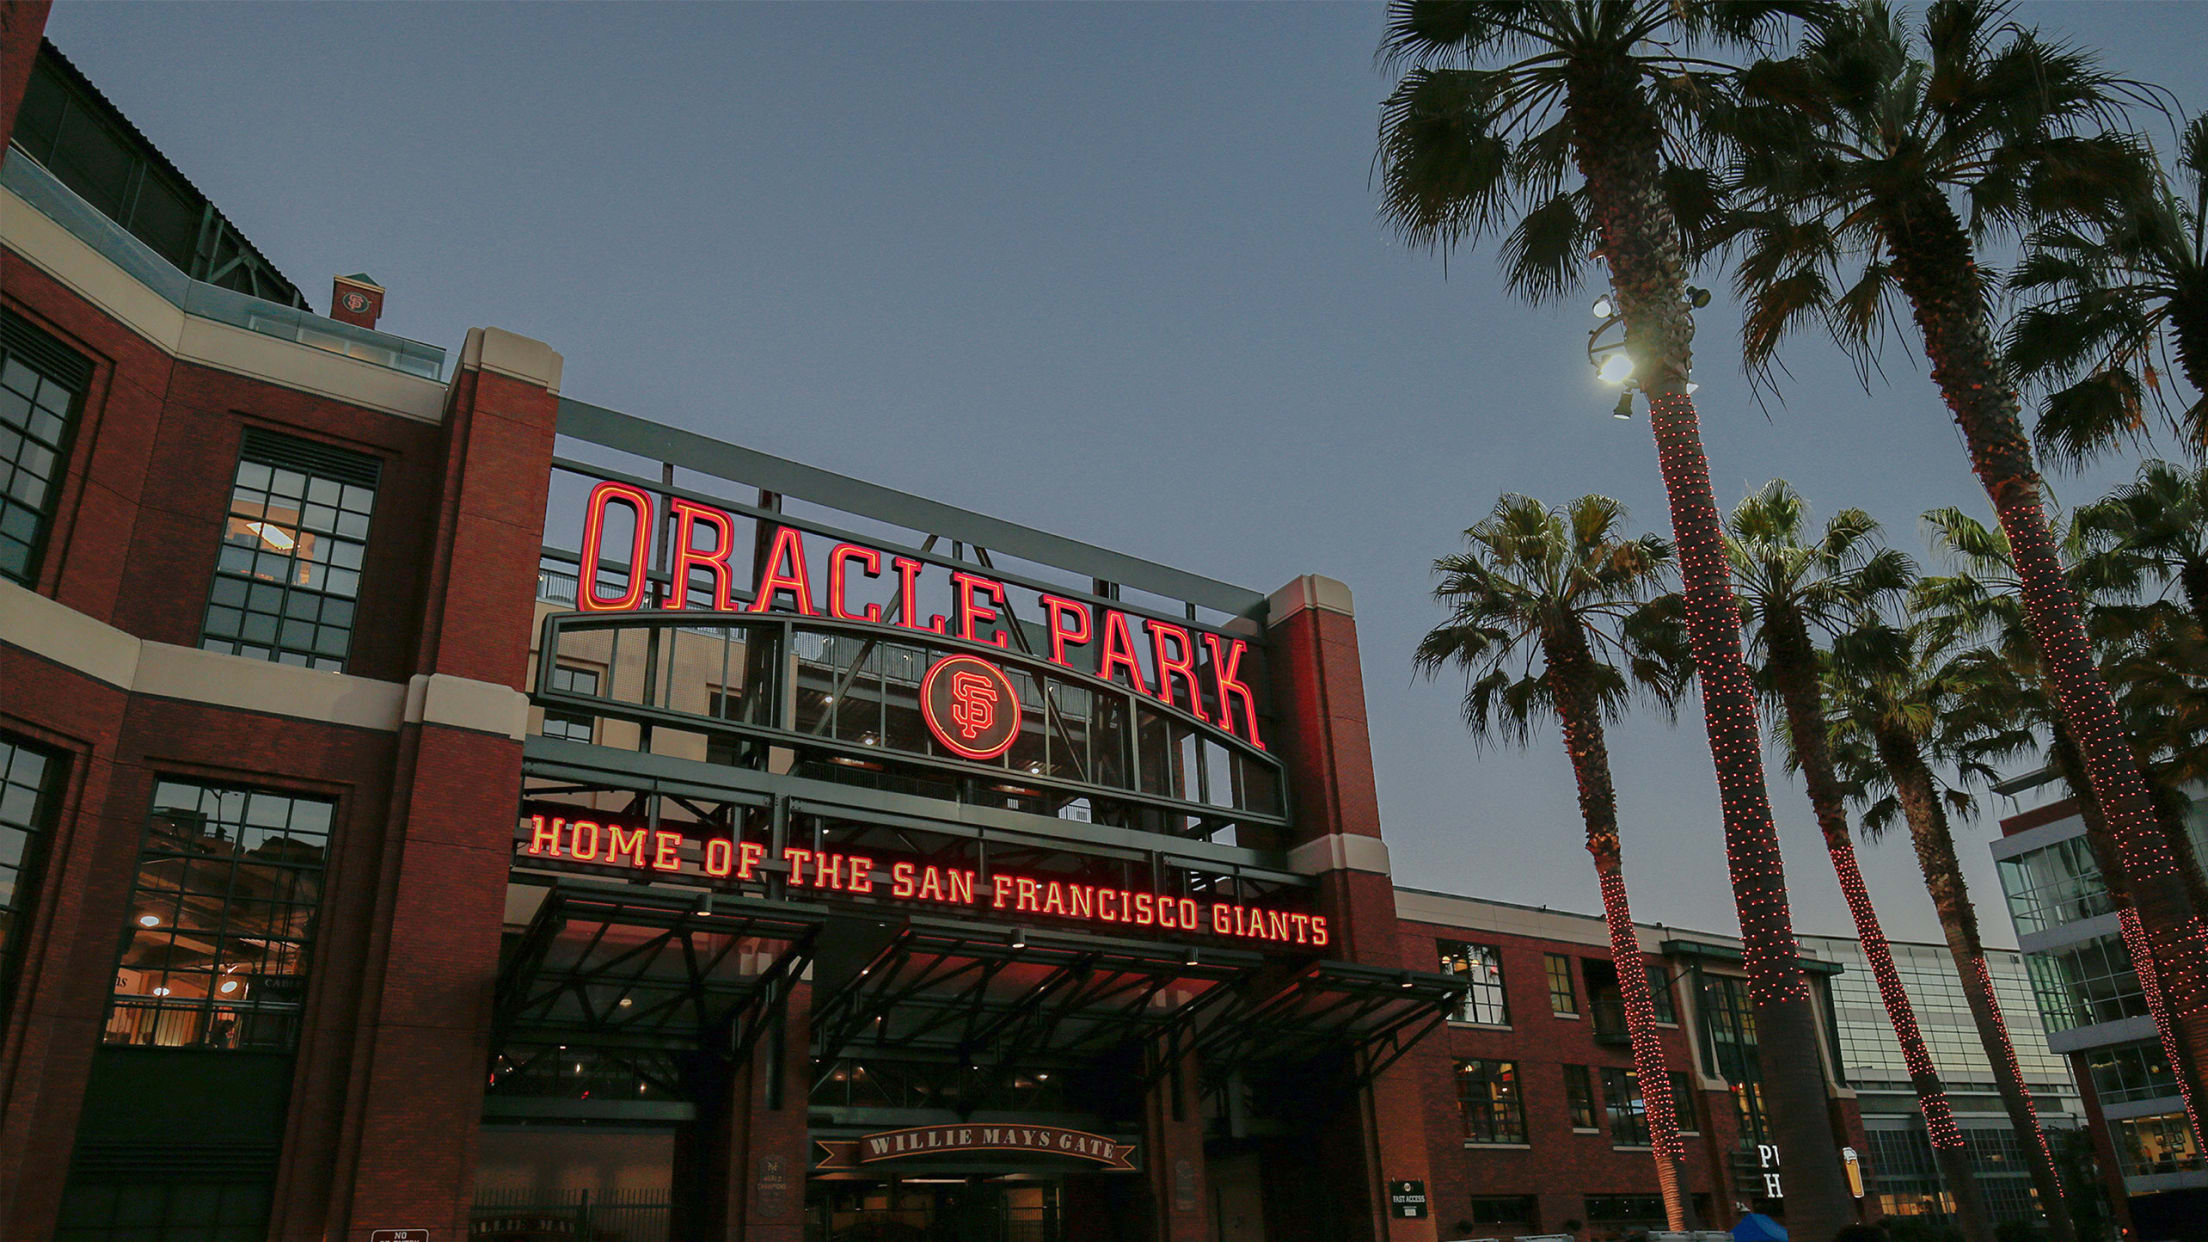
(577, 1215)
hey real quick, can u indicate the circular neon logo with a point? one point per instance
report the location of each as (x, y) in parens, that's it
(971, 706)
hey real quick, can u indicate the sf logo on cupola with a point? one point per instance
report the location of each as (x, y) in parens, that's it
(971, 706)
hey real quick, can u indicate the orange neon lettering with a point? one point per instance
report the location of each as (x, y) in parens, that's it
(713, 560)
(1081, 901)
(666, 851)
(632, 852)
(1168, 912)
(961, 886)
(900, 880)
(575, 841)
(931, 883)
(1057, 610)
(1119, 650)
(1026, 899)
(543, 840)
(720, 857)
(1226, 679)
(1182, 664)
(1146, 909)
(785, 571)
(1318, 930)
(1054, 898)
(748, 855)
(795, 859)
(839, 560)
(1000, 888)
(1105, 899)
(1219, 918)
(862, 874)
(631, 597)
(965, 587)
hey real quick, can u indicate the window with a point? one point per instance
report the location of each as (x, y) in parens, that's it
(216, 945)
(1481, 966)
(1562, 997)
(27, 777)
(2084, 984)
(569, 725)
(1729, 1050)
(1487, 1092)
(2159, 1144)
(2052, 886)
(289, 575)
(1659, 995)
(1621, 1100)
(1686, 1102)
(1505, 1210)
(42, 385)
(1616, 1215)
(1579, 1097)
(2130, 1072)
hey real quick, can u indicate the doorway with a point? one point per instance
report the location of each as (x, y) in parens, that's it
(936, 1209)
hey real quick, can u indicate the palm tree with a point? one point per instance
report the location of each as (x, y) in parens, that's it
(1851, 157)
(2003, 684)
(2157, 528)
(1790, 587)
(1890, 706)
(1574, 116)
(1544, 608)
(2110, 293)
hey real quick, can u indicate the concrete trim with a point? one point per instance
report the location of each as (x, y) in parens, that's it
(465, 703)
(51, 631)
(1308, 591)
(512, 355)
(2155, 1183)
(1340, 851)
(2102, 1034)
(187, 338)
(2155, 1107)
(2095, 928)
(1447, 910)
(2037, 838)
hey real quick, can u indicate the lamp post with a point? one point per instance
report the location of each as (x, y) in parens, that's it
(1607, 354)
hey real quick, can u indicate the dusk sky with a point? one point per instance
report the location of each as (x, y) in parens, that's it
(1115, 271)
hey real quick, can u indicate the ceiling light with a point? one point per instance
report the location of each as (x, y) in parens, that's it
(1617, 368)
(626, 1002)
(161, 991)
(228, 986)
(272, 536)
(149, 920)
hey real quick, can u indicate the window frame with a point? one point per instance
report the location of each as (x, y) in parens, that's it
(1580, 1108)
(37, 827)
(1501, 1111)
(1557, 968)
(1460, 959)
(302, 575)
(29, 340)
(1621, 1090)
(566, 719)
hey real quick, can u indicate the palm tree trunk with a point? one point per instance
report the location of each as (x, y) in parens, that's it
(1570, 668)
(1943, 879)
(2189, 325)
(1935, 267)
(2071, 764)
(1615, 142)
(1793, 661)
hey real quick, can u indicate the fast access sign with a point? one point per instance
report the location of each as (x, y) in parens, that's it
(1407, 1200)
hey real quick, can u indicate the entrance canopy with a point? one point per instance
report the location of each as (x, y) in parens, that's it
(1374, 1013)
(651, 970)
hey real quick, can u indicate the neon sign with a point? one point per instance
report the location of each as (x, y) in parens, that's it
(608, 843)
(970, 706)
(704, 538)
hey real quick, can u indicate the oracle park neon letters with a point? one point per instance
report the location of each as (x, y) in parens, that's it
(609, 843)
(703, 539)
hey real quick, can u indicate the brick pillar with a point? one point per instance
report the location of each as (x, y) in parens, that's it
(22, 24)
(771, 1145)
(1319, 695)
(420, 1063)
(1173, 1156)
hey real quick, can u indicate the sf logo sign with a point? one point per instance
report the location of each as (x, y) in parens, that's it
(971, 707)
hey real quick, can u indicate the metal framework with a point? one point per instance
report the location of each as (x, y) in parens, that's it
(1373, 1013)
(652, 971)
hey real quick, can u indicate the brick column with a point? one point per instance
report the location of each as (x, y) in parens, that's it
(773, 1151)
(419, 1066)
(1319, 695)
(1173, 1156)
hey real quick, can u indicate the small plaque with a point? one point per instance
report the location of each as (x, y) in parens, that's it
(1407, 1200)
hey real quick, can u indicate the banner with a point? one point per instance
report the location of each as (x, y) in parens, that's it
(957, 1137)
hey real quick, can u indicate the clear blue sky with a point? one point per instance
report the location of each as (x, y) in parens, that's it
(1111, 270)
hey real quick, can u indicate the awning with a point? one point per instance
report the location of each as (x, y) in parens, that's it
(1371, 1012)
(615, 967)
(997, 996)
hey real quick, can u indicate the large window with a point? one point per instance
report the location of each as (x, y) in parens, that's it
(1563, 998)
(42, 385)
(216, 945)
(1686, 1102)
(1494, 1111)
(2084, 984)
(2161, 1144)
(1621, 1101)
(27, 777)
(289, 575)
(1493, 1210)
(1481, 966)
(2052, 886)
(1610, 1216)
(2130, 1072)
(1579, 1098)
(1659, 995)
(1729, 1050)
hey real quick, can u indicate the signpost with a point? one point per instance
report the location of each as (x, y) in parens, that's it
(399, 1235)
(1407, 1200)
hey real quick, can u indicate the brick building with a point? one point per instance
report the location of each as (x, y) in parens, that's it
(433, 806)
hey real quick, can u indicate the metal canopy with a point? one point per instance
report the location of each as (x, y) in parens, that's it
(1371, 1012)
(652, 971)
(999, 997)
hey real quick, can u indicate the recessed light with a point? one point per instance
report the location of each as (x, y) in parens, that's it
(149, 920)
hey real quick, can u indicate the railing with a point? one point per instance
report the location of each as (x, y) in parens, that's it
(30, 181)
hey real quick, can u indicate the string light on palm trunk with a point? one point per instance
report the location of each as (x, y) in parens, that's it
(1939, 1116)
(2150, 986)
(1984, 983)
(1640, 1021)
(1736, 742)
